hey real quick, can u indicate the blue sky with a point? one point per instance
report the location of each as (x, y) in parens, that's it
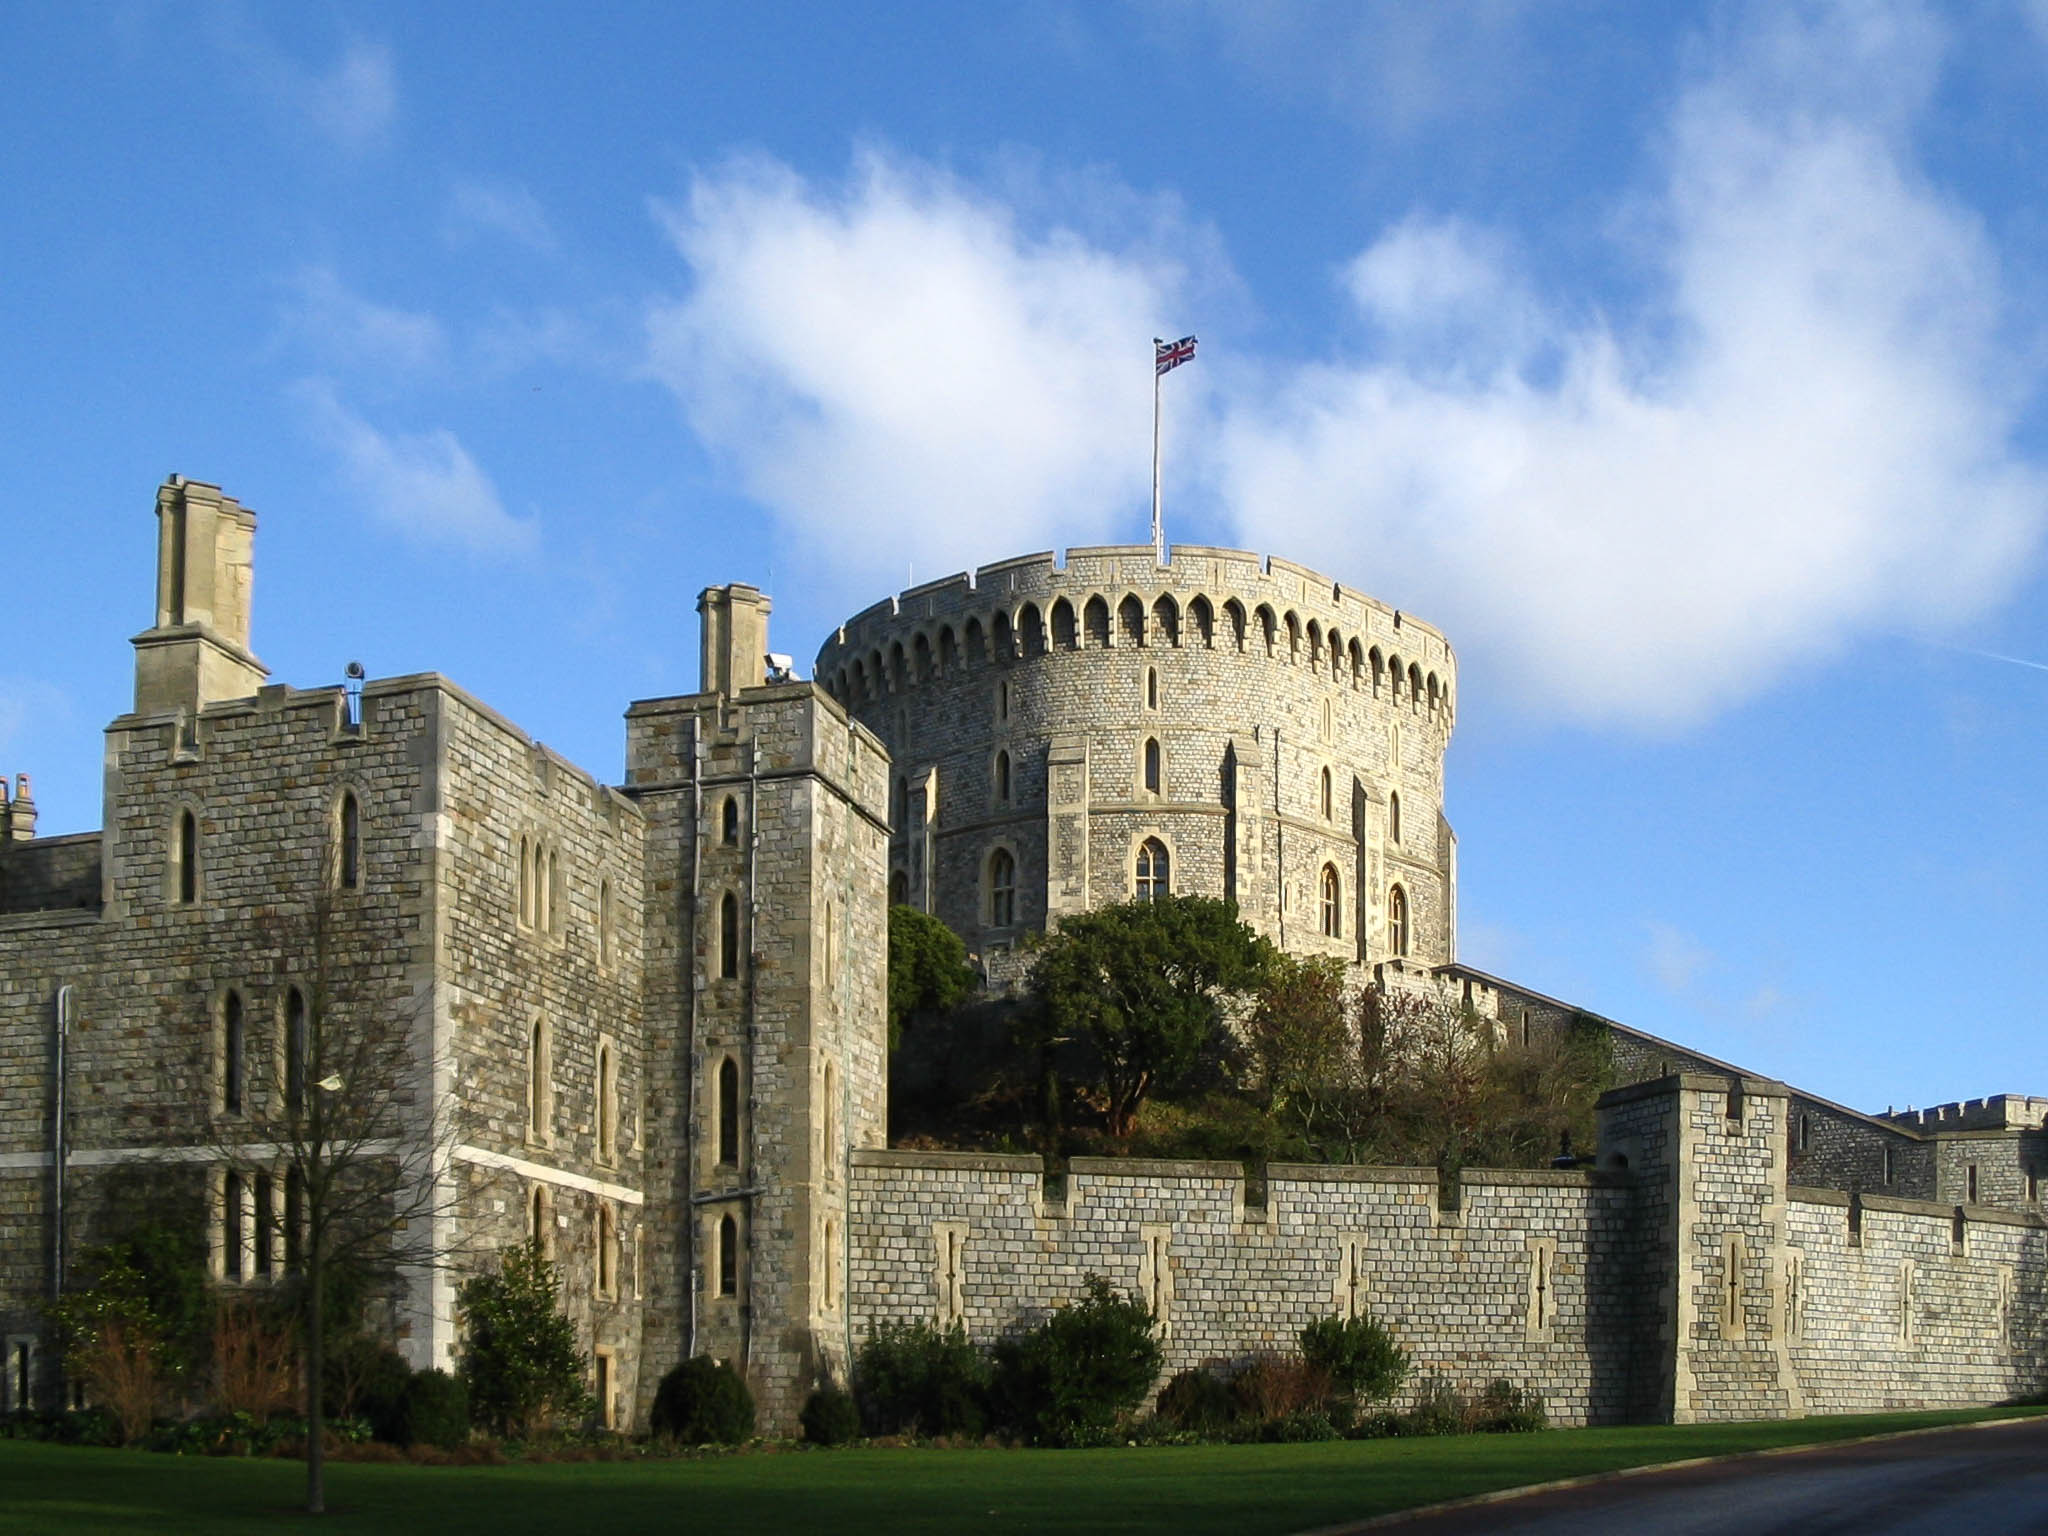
(1683, 363)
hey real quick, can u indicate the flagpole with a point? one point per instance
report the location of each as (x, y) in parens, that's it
(1158, 526)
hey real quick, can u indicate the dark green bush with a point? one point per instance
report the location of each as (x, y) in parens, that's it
(360, 1376)
(914, 1378)
(1198, 1401)
(1505, 1408)
(704, 1402)
(434, 1410)
(830, 1417)
(1358, 1354)
(1438, 1410)
(1072, 1379)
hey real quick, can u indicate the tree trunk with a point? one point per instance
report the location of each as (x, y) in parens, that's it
(316, 1323)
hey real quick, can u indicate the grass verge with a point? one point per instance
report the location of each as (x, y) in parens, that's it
(1228, 1490)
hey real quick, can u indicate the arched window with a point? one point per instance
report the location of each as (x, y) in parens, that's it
(899, 887)
(1154, 876)
(1130, 615)
(607, 1251)
(729, 1112)
(550, 917)
(231, 1227)
(1397, 921)
(729, 822)
(231, 1047)
(540, 1087)
(185, 875)
(1414, 686)
(348, 832)
(1002, 777)
(607, 1104)
(540, 1220)
(1394, 817)
(1095, 622)
(729, 936)
(728, 1256)
(295, 1048)
(1333, 903)
(1002, 888)
(1152, 775)
(1326, 721)
(1328, 799)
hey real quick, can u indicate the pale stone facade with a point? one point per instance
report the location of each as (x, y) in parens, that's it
(650, 1017)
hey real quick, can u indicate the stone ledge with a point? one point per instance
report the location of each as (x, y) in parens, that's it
(1551, 1178)
(1152, 1168)
(964, 1162)
(1709, 1082)
(1347, 1173)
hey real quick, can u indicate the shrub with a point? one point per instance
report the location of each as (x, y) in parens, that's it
(1198, 1401)
(434, 1410)
(1505, 1408)
(916, 1378)
(255, 1360)
(1274, 1387)
(1071, 1379)
(703, 1402)
(362, 1378)
(521, 1364)
(830, 1417)
(1358, 1354)
(1438, 1410)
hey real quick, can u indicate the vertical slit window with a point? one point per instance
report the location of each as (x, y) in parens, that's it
(1393, 818)
(231, 1084)
(295, 1047)
(1397, 922)
(1002, 888)
(350, 832)
(729, 1112)
(729, 822)
(1332, 893)
(728, 1256)
(729, 936)
(607, 1105)
(1151, 770)
(188, 858)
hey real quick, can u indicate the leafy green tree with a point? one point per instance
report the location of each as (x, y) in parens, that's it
(704, 1402)
(928, 969)
(520, 1361)
(1358, 1354)
(1145, 983)
(1074, 1377)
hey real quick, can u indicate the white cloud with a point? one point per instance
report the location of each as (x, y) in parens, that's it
(1676, 959)
(353, 101)
(343, 327)
(1804, 440)
(423, 484)
(504, 209)
(900, 370)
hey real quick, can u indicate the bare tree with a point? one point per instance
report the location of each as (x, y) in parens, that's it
(357, 1140)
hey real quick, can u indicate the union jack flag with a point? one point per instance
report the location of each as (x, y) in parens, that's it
(1169, 355)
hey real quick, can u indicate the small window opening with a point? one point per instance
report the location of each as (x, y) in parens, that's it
(1328, 799)
(231, 1084)
(231, 1227)
(729, 822)
(1151, 687)
(1887, 1165)
(295, 1048)
(729, 1112)
(351, 833)
(1003, 777)
(607, 1105)
(1154, 873)
(266, 1225)
(728, 1256)
(540, 1069)
(1002, 888)
(729, 936)
(607, 1258)
(1971, 1184)
(1397, 922)
(188, 858)
(1152, 774)
(1333, 911)
(1394, 817)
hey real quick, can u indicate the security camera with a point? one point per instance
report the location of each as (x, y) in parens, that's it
(781, 668)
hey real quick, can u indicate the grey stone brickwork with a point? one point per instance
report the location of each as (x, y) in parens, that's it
(574, 971)
(1020, 705)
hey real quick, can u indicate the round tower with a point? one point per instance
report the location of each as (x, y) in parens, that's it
(1071, 733)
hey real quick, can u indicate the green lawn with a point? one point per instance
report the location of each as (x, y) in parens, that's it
(1229, 1490)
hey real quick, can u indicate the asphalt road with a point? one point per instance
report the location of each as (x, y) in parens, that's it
(1980, 1481)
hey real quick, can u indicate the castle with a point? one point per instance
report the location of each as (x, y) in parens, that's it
(644, 1022)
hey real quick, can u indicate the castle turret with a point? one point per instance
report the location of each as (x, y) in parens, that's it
(197, 652)
(18, 815)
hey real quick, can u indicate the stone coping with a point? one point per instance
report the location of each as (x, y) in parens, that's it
(1900, 1206)
(1152, 1168)
(53, 917)
(1713, 1082)
(1808, 1194)
(967, 1162)
(53, 840)
(1996, 1215)
(1552, 1178)
(1347, 1173)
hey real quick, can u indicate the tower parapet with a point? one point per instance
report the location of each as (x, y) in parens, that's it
(1067, 732)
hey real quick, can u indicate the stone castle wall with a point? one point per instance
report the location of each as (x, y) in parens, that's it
(1018, 706)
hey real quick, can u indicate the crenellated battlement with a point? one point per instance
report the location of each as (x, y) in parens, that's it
(1993, 1112)
(1107, 597)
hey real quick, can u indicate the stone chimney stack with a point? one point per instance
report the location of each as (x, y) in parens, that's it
(18, 815)
(735, 638)
(198, 650)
